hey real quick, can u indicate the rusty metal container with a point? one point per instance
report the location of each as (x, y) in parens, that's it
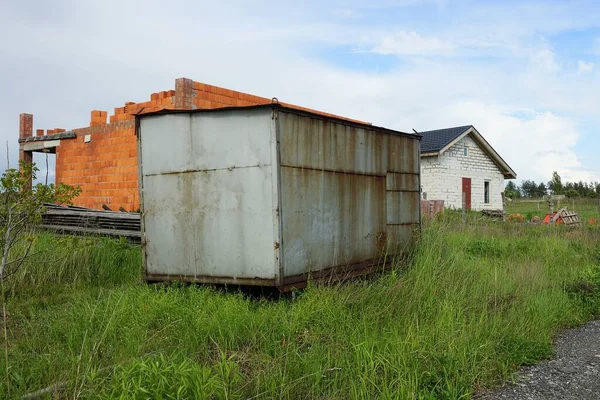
(269, 195)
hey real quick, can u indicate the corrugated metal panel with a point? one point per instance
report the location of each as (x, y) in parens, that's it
(402, 208)
(206, 141)
(401, 237)
(322, 145)
(330, 218)
(403, 154)
(207, 195)
(335, 206)
(265, 196)
(402, 182)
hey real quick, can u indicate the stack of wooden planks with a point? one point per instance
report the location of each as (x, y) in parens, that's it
(79, 220)
(493, 213)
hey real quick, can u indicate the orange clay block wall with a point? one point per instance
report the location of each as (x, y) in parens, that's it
(105, 167)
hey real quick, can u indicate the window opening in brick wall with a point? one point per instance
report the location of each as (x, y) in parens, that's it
(486, 192)
(41, 160)
(466, 151)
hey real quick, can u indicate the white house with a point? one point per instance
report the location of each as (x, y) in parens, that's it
(459, 160)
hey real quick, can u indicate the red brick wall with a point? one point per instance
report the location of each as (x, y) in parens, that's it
(106, 167)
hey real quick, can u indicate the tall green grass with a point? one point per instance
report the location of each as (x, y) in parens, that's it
(476, 302)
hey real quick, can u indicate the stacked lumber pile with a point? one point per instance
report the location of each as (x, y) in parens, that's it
(79, 220)
(493, 213)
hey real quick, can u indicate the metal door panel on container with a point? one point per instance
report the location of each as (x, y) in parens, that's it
(216, 223)
(330, 219)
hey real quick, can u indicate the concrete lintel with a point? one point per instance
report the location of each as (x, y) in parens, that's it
(51, 137)
(40, 145)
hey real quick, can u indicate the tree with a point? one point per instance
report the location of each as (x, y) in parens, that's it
(22, 207)
(555, 185)
(512, 191)
(570, 193)
(529, 188)
(541, 190)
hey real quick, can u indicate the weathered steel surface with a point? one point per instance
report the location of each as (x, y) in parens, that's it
(330, 218)
(401, 238)
(402, 208)
(402, 182)
(207, 192)
(403, 155)
(336, 206)
(322, 145)
(270, 197)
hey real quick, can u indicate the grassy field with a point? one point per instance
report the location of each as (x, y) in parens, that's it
(476, 301)
(586, 208)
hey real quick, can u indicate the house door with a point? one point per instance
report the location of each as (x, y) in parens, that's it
(466, 189)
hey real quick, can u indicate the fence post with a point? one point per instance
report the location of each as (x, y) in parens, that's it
(550, 209)
(464, 207)
(504, 206)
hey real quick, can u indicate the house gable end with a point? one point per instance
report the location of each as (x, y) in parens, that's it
(486, 148)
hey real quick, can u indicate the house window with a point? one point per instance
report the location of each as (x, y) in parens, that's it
(466, 151)
(486, 192)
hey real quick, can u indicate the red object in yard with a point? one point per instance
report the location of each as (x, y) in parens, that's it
(549, 216)
(592, 221)
(562, 216)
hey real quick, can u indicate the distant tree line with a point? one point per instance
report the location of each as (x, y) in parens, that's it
(531, 189)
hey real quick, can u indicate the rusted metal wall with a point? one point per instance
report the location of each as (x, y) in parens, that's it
(348, 193)
(265, 196)
(208, 196)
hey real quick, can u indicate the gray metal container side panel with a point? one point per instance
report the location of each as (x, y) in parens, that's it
(276, 205)
(403, 192)
(208, 196)
(323, 145)
(141, 194)
(333, 194)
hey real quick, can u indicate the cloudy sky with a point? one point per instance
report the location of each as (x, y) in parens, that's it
(526, 74)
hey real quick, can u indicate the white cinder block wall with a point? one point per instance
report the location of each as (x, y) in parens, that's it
(441, 176)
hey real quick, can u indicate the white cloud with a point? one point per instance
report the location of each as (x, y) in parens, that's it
(584, 67)
(345, 13)
(526, 106)
(545, 61)
(411, 43)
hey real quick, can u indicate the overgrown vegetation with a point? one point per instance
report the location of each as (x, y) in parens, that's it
(21, 206)
(477, 301)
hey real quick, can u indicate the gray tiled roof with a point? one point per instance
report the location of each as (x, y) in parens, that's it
(434, 141)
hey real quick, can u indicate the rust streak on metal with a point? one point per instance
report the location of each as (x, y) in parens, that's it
(191, 171)
(210, 279)
(403, 224)
(334, 171)
(339, 273)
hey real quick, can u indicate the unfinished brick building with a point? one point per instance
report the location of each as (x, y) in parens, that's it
(102, 158)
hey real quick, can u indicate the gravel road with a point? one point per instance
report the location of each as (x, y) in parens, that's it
(574, 372)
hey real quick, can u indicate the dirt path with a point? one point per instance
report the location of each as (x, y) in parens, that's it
(574, 373)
